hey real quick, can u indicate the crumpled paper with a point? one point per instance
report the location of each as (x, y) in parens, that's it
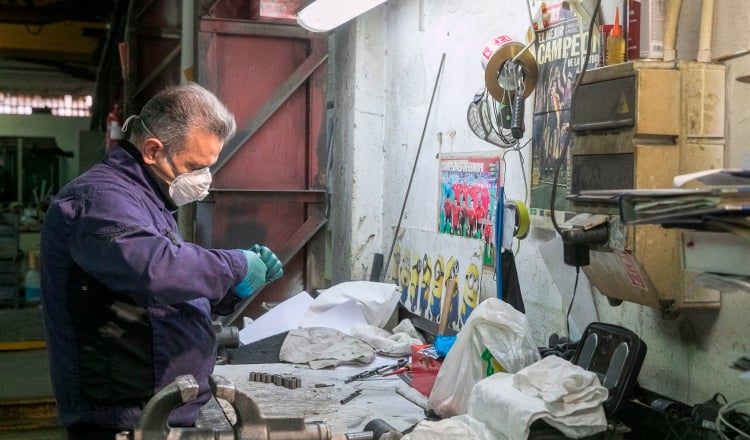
(322, 347)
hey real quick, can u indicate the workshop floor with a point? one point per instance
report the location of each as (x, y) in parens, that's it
(24, 370)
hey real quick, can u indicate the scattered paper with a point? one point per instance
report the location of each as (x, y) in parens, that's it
(286, 316)
(340, 317)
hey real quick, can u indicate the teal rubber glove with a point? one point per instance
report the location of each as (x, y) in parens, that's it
(255, 277)
(272, 262)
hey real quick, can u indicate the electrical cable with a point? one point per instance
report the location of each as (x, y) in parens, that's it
(518, 149)
(570, 306)
(499, 242)
(566, 145)
(716, 398)
(726, 427)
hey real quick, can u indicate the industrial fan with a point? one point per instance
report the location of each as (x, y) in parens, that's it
(490, 120)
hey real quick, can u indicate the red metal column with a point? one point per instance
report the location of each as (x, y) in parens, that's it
(269, 181)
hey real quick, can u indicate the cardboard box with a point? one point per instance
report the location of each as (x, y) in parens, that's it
(645, 29)
(424, 370)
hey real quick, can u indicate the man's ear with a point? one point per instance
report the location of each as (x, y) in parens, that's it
(151, 147)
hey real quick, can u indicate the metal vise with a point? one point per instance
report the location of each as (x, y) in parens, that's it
(250, 424)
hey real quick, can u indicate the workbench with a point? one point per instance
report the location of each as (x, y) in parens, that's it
(379, 398)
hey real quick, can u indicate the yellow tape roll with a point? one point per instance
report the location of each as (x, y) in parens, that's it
(522, 218)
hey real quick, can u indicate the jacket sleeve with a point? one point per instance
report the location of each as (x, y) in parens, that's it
(134, 248)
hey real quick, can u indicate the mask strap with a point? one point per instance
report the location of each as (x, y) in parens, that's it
(130, 118)
(147, 129)
(127, 122)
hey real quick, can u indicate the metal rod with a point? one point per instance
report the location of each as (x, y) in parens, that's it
(525, 48)
(351, 396)
(414, 168)
(533, 33)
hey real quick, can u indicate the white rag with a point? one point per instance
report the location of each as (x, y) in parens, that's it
(562, 385)
(322, 347)
(386, 343)
(498, 403)
(461, 426)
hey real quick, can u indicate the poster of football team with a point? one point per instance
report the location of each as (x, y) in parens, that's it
(468, 200)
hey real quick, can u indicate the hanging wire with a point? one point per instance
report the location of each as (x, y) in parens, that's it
(518, 149)
(570, 306)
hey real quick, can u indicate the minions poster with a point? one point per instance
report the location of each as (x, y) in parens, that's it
(423, 261)
(468, 200)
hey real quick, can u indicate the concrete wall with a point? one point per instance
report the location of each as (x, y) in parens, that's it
(386, 65)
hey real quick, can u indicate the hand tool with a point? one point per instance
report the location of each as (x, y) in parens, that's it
(351, 396)
(377, 371)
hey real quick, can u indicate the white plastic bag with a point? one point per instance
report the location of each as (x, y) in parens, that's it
(496, 335)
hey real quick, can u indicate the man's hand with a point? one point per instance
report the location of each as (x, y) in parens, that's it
(272, 262)
(255, 277)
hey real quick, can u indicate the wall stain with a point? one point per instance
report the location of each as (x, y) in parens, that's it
(361, 248)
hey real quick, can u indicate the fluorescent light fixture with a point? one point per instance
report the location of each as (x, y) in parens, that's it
(324, 15)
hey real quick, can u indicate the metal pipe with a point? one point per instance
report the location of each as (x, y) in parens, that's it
(414, 167)
(706, 30)
(187, 39)
(671, 20)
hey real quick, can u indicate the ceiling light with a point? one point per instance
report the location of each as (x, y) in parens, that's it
(324, 15)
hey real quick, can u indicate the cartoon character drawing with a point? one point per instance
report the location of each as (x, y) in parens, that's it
(452, 274)
(396, 264)
(416, 269)
(438, 274)
(471, 292)
(424, 287)
(405, 275)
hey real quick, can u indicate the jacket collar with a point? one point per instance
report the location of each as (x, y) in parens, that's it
(116, 157)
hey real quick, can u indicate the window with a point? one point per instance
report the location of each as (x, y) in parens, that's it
(68, 105)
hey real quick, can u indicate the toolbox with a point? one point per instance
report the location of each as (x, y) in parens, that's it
(424, 369)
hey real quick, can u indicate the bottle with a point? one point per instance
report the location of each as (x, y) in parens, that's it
(615, 42)
(31, 282)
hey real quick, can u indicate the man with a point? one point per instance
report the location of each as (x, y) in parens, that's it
(127, 303)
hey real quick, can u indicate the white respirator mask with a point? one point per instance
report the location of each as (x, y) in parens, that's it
(190, 187)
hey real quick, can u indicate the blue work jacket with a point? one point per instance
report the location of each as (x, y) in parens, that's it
(126, 302)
